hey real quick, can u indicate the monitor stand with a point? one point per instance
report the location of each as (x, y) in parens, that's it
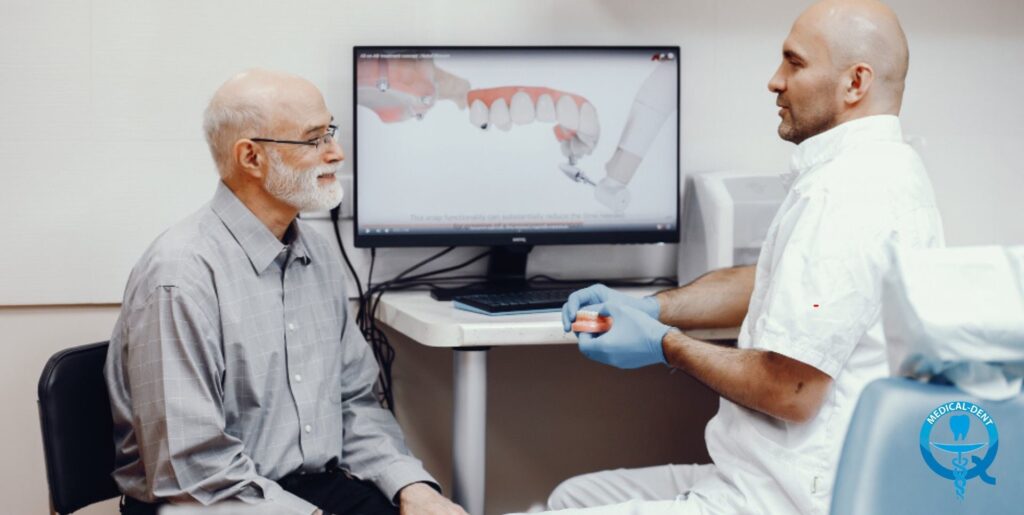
(506, 271)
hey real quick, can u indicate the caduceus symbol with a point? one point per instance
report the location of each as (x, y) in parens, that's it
(960, 425)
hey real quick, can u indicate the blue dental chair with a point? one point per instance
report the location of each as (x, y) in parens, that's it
(883, 469)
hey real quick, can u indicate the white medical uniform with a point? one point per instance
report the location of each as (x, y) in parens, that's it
(853, 190)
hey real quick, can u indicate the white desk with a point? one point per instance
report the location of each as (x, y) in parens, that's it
(471, 335)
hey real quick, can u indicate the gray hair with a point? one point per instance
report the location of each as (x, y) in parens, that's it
(225, 121)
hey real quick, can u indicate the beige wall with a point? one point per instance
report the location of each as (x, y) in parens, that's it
(30, 337)
(552, 413)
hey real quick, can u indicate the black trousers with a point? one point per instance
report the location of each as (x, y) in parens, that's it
(333, 492)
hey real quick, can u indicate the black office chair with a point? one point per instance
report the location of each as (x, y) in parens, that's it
(74, 414)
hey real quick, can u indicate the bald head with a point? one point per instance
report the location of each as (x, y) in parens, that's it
(863, 31)
(256, 103)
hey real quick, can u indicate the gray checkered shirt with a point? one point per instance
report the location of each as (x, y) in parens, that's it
(235, 362)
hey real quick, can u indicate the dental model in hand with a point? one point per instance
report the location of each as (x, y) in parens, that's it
(577, 128)
(591, 322)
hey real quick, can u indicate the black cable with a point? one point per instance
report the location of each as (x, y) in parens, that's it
(423, 262)
(382, 351)
(335, 214)
(399, 279)
(369, 300)
(464, 264)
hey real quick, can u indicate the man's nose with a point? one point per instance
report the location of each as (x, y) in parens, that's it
(776, 84)
(334, 153)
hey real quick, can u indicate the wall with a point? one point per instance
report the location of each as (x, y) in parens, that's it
(31, 336)
(100, 149)
(102, 100)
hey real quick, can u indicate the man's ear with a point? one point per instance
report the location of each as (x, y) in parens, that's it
(249, 157)
(856, 82)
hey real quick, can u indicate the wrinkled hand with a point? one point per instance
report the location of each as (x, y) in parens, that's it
(600, 294)
(421, 499)
(634, 340)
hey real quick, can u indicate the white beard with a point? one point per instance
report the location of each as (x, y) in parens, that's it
(301, 189)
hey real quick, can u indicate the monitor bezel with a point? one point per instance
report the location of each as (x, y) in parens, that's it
(510, 238)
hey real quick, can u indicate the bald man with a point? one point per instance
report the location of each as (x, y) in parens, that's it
(811, 336)
(235, 370)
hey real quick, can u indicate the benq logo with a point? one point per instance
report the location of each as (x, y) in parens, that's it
(518, 239)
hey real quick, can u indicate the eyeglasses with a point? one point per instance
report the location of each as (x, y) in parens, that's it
(324, 139)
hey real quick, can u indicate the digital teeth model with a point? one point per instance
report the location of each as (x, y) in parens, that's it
(577, 128)
(500, 116)
(521, 109)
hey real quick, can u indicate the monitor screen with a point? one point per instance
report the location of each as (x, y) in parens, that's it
(515, 145)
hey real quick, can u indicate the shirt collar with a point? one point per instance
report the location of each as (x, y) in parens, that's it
(824, 147)
(256, 240)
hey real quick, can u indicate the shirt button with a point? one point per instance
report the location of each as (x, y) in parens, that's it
(308, 428)
(298, 378)
(291, 326)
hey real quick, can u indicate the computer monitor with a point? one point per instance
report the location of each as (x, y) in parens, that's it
(512, 147)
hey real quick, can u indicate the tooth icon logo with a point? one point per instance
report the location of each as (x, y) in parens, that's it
(947, 438)
(960, 425)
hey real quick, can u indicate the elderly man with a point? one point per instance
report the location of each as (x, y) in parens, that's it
(235, 371)
(811, 337)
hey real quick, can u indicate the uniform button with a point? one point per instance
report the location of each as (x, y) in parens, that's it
(308, 428)
(298, 378)
(291, 326)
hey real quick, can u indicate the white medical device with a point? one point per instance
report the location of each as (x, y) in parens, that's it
(725, 219)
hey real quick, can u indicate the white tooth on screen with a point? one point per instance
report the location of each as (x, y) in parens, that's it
(589, 128)
(521, 108)
(566, 151)
(478, 114)
(568, 113)
(579, 148)
(545, 109)
(499, 115)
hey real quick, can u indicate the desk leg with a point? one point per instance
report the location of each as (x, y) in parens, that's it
(470, 429)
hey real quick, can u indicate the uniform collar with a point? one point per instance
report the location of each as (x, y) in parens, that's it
(825, 146)
(256, 240)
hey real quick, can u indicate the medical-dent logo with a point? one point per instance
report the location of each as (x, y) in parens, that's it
(947, 438)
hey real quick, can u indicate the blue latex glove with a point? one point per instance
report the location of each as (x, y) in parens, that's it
(600, 294)
(634, 340)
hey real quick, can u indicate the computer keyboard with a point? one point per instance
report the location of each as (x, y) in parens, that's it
(512, 303)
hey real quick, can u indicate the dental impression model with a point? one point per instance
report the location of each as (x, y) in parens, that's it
(591, 322)
(577, 128)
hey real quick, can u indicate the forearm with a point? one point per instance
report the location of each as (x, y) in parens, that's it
(763, 381)
(716, 299)
(374, 447)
